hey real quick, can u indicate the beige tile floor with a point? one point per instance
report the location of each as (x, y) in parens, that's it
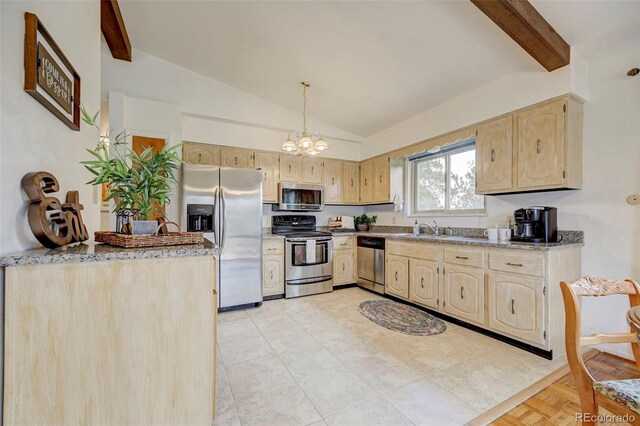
(317, 360)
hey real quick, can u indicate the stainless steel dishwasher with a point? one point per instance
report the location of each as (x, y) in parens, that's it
(371, 263)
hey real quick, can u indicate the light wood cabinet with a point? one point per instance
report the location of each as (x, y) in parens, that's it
(272, 267)
(269, 165)
(237, 157)
(381, 182)
(86, 343)
(200, 153)
(396, 276)
(312, 170)
(464, 292)
(333, 179)
(540, 143)
(344, 260)
(290, 168)
(517, 305)
(343, 267)
(351, 183)
(423, 282)
(494, 156)
(366, 181)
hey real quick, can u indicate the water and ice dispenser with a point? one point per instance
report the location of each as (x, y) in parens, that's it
(200, 218)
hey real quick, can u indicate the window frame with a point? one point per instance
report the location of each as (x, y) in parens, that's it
(412, 166)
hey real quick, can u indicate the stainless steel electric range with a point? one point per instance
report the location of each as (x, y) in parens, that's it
(308, 255)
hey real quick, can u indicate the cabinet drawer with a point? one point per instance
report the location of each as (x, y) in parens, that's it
(464, 257)
(344, 243)
(273, 247)
(519, 263)
(412, 249)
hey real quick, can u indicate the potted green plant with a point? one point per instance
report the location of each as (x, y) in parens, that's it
(364, 222)
(139, 184)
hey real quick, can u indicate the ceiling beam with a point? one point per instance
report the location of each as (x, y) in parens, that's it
(522, 22)
(114, 31)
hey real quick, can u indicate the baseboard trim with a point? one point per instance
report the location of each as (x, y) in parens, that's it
(517, 399)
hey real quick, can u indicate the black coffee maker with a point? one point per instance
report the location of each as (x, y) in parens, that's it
(536, 225)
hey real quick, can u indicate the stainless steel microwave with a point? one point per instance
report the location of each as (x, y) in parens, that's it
(295, 197)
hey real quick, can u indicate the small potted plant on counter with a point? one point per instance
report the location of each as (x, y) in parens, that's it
(139, 183)
(364, 222)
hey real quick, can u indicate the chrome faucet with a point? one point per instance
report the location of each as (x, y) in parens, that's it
(435, 229)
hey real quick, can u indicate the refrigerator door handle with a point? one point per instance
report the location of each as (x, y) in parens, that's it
(216, 240)
(223, 207)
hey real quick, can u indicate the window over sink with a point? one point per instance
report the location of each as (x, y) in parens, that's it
(444, 181)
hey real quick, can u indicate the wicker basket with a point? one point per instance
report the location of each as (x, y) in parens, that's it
(150, 240)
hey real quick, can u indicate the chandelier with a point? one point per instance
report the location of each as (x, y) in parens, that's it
(304, 143)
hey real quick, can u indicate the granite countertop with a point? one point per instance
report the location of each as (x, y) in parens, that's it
(570, 239)
(90, 251)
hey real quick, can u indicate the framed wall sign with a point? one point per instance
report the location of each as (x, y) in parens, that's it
(48, 75)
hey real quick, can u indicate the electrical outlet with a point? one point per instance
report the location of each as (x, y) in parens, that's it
(633, 199)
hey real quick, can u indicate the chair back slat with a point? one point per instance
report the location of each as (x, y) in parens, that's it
(591, 285)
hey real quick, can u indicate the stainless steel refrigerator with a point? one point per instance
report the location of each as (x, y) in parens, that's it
(226, 204)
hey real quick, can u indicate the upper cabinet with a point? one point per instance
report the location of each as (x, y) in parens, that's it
(201, 153)
(312, 170)
(535, 149)
(237, 157)
(290, 168)
(351, 183)
(494, 156)
(366, 181)
(381, 184)
(333, 176)
(269, 165)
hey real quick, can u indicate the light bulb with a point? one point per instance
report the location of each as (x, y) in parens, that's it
(289, 146)
(321, 145)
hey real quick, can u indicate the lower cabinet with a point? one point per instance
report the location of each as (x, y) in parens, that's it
(464, 292)
(423, 282)
(516, 306)
(343, 261)
(396, 276)
(272, 267)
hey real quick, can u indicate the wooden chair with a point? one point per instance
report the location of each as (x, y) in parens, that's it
(620, 397)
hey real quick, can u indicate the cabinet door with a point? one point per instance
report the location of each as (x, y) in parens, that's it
(269, 165)
(366, 181)
(237, 157)
(311, 170)
(199, 153)
(516, 306)
(351, 183)
(494, 156)
(333, 176)
(397, 277)
(381, 182)
(272, 275)
(423, 282)
(464, 292)
(540, 141)
(343, 261)
(290, 168)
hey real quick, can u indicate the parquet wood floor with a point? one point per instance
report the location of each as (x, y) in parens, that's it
(558, 403)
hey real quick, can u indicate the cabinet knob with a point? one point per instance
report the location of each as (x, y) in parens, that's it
(236, 161)
(538, 148)
(365, 181)
(271, 274)
(380, 178)
(461, 292)
(422, 282)
(311, 169)
(200, 157)
(396, 276)
(343, 267)
(332, 181)
(351, 181)
(493, 155)
(289, 168)
(513, 309)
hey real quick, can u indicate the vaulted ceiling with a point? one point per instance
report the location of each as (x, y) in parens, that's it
(371, 64)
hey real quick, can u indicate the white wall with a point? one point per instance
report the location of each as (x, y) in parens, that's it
(152, 97)
(611, 158)
(31, 138)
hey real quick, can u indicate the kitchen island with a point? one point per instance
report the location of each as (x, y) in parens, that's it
(95, 334)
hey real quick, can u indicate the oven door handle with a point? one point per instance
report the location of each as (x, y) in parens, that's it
(303, 240)
(313, 280)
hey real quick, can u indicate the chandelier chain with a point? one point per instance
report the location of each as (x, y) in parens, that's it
(304, 108)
